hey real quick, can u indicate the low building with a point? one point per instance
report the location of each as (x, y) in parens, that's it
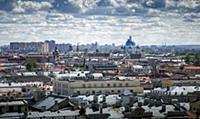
(176, 93)
(139, 69)
(51, 103)
(13, 106)
(53, 115)
(96, 86)
(193, 70)
(73, 75)
(105, 67)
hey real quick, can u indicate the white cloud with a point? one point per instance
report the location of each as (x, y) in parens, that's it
(103, 28)
(18, 9)
(31, 6)
(110, 23)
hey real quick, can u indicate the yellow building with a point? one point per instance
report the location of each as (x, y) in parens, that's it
(96, 86)
(167, 83)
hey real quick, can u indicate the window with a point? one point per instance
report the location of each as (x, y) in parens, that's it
(84, 86)
(102, 85)
(118, 91)
(126, 84)
(11, 108)
(120, 85)
(95, 85)
(65, 85)
(131, 91)
(112, 91)
(89, 85)
(114, 85)
(93, 92)
(108, 85)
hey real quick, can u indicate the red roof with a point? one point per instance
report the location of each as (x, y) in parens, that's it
(192, 67)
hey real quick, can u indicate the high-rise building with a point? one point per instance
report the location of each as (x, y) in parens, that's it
(63, 48)
(51, 45)
(39, 47)
(44, 48)
(56, 55)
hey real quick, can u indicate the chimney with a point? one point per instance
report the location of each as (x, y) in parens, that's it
(101, 109)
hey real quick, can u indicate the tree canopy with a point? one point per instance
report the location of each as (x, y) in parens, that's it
(30, 66)
(193, 59)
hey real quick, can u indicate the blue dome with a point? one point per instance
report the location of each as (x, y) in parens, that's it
(129, 42)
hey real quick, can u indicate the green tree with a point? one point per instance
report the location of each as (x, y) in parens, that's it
(30, 66)
(196, 60)
(187, 59)
(193, 59)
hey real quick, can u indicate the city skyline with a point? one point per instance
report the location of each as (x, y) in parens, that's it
(158, 22)
(99, 59)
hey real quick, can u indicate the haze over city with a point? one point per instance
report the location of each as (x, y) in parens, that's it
(150, 22)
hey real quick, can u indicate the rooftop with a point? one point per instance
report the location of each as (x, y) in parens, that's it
(52, 114)
(179, 89)
(48, 102)
(12, 103)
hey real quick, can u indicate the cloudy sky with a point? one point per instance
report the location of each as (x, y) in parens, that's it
(105, 21)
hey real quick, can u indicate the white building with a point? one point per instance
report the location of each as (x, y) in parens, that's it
(139, 69)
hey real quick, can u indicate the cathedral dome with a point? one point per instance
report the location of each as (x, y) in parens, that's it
(130, 42)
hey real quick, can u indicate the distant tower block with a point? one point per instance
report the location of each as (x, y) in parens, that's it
(77, 47)
(56, 55)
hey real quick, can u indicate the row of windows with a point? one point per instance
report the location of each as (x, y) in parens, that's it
(57, 84)
(100, 92)
(105, 85)
(57, 117)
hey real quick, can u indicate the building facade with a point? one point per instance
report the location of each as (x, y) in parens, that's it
(96, 86)
(39, 47)
(13, 106)
(64, 48)
(51, 45)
